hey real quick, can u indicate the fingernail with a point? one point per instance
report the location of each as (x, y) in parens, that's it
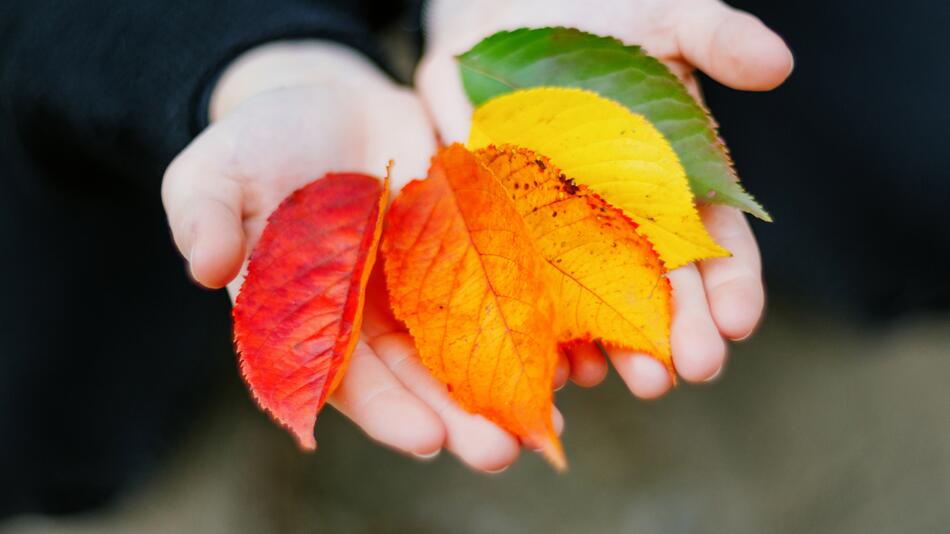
(193, 235)
(715, 375)
(190, 260)
(427, 456)
(499, 470)
(745, 337)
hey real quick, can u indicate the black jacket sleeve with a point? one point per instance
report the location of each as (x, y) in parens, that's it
(122, 82)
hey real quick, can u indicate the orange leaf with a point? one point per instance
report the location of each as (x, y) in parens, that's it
(607, 281)
(297, 317)
(466, 278)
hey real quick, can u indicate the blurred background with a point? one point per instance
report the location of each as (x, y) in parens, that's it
(834, 417)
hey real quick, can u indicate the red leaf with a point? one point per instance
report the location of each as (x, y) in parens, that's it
(297, 317)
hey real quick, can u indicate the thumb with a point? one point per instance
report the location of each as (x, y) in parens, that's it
(204, 212)
(732, 46)
(440, 86)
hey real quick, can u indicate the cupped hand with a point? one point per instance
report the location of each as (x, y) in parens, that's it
(283, 115)
(715, 299)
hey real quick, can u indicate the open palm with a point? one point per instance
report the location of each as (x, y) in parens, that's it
(713, 300)
(220, 190)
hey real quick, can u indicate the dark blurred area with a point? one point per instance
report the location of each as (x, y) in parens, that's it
(104, 342)
(107, 347)
(118, 385)
(849, 156)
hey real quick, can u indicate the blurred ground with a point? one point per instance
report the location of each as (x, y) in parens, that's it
(816, 427)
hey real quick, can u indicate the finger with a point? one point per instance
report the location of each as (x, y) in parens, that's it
(204, 213)
(645, 376)
(410, 148)
(378, 403)
(717, 375)
(692, 85)
(378, 318)
(732, 46)
(558, 420)
(441, 88)
(588, 366)
(563, 370)
(698, 349)
(475, 440)
(733, 285)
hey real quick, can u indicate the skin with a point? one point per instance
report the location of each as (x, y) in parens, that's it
(281, 115)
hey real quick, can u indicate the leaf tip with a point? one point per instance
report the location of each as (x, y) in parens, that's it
(305, 439)
(762, 215)
(553, 452)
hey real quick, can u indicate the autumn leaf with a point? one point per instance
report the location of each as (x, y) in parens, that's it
(619, 154)
(466, 278)
(297, 316)
(566, 57)
(607, 282)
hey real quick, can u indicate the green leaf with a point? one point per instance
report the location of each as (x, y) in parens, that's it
(566, 57)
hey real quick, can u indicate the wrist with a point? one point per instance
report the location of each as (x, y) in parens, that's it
(287, 64)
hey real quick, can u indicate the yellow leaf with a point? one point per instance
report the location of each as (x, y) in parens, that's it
(607, 281)
(617, 153)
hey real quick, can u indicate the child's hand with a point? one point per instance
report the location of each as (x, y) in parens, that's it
(283, 115)
(716, 298)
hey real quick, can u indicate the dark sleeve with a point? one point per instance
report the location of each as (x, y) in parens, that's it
(121, 83)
